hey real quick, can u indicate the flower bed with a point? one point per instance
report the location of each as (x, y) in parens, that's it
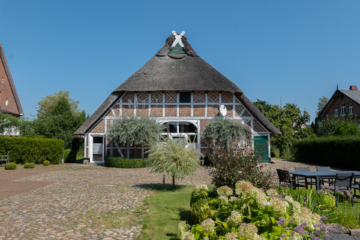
(249, 214)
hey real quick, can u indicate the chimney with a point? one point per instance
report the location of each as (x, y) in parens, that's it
(353, 87)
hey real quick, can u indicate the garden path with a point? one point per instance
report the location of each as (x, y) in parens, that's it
(73, 201)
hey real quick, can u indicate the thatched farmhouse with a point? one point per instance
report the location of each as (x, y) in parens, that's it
(178, 87)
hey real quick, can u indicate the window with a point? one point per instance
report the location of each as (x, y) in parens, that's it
(7, 101)
(185, 97)
(350, 109)
(336, 112)
(343, 112)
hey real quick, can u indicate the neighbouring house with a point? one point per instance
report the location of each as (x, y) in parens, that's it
(9, 99)
(342, 103)
(176, 86)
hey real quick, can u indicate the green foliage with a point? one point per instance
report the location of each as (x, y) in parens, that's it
(69, 156)
(288, 119)
(47, 104)
(247, 213)
(329, 151)
(46, 163)
(118, 162)
(10, 166)
(321, 104)
(307, 132)
(29, 165)
(135, 130)
(32, 149)
(329, 126)
(223, 132)
(234, 164)
(173, 158)
(347, 129)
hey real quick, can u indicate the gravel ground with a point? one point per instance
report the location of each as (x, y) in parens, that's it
(79, 202)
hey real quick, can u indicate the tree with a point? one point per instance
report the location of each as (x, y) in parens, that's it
(173, 158)
(223, 132)
(7, 121)
(47, 104)
(262, 105)
(347, 129)
(321, 104)
(135, 130)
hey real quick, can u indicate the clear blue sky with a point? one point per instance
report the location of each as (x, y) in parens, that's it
(296, 50)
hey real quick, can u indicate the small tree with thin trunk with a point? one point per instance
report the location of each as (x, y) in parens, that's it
(173, 158)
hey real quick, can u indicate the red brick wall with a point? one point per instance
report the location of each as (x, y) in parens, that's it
(170, 97)
(184, 110)
(199, 97)
(226, 97)
(99, 128)
(128, 110)
(213, 110)
(170, 110)
(156, 110)
(213, 97)
(129, 97)
(258, 127)
(6, 92)
(336, 103)
(238, 110)
(142, 110)
(199, 111)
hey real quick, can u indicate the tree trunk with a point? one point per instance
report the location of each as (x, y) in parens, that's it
(173, 180)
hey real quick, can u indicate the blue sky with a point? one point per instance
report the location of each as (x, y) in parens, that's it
(294, 50)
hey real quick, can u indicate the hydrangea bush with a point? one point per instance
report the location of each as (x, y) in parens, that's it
(249, 213)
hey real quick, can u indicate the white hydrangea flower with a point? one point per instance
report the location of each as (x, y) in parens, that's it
(231, 236)
(201, 187)
(183, 227)
(234, 219)
(224, 199)
(289, 199)
(205, 238)
(278, 205)
(242, 186)
(208, 225)
(272, 192)
(248, 231)
(225, 191)
(187, 236)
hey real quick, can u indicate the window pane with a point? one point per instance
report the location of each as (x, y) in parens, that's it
(185, 127)
(185, 97)
(178, 139)
(192, 138)
(172, 127)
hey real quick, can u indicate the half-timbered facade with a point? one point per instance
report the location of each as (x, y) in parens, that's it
(179, 88)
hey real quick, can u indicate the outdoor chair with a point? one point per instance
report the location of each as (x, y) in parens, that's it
(325, 169)
(5, 158)
(284, 177)
(341, 181)
(304, 169)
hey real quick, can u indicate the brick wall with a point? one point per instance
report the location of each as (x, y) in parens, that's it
(99, 128)
(6, 92)
(336, 103)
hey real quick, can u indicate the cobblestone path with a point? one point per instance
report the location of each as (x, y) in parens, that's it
(82, 202)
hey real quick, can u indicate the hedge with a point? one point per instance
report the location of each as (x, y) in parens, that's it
(36, 150)
(69, 156)
(331, 151)
(119, 162)
(29, 165)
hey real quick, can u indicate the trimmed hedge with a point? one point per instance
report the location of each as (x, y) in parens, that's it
(29, 165)
(69, 156)
(331, 151)
(37, 150)
(10, 166)
(119, 162)
(46, 163)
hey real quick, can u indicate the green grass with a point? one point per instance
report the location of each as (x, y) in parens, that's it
(167, 207)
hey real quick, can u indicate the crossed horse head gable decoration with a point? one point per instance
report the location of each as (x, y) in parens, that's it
(178, 39)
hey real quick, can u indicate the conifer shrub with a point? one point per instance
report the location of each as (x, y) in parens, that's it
(46, 163)
(29, 165)
(24, 150)
(10, 166)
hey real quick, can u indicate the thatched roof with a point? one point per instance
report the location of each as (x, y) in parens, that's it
(177, 72)
(11, 82)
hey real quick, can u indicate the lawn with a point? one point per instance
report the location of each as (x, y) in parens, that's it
(167, 208)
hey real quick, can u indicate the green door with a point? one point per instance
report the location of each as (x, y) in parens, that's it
(262, 146)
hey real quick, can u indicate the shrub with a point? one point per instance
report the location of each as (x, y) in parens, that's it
(119, 162)
(32, 149)
(249, 213)
(29, 165)
(347, 129)
(69, 156)
(331, 151)
(46, 163)
(10, 166)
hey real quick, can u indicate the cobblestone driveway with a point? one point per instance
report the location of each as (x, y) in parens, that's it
(78, 199)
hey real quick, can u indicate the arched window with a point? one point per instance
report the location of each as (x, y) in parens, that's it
(336, 112)
(343, 112)
(350, 109)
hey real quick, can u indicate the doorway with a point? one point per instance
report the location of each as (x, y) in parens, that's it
(261, 144)
(97, 147)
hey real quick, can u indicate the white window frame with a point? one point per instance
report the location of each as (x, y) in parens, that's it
(343, 109)
(336, 112)
(350, 109)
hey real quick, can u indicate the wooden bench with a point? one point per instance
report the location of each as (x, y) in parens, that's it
(5, 158)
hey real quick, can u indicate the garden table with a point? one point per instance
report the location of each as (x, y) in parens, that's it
(322, 175)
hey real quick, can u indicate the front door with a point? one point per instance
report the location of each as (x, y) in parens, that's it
(262, 147)
(97, 149)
